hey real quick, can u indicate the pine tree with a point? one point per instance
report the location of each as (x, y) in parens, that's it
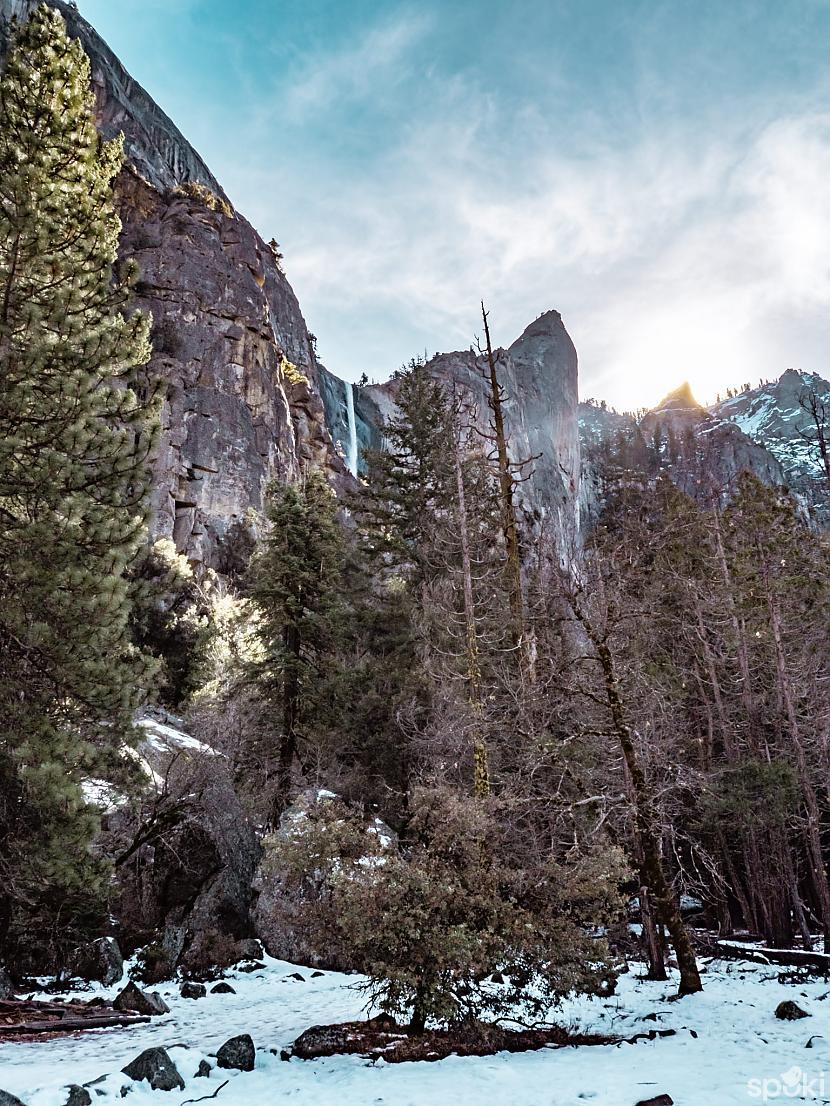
(294, 585)
(74, 436)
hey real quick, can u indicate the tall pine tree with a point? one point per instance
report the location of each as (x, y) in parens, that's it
(74, 435)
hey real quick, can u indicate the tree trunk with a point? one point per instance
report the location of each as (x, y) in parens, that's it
(652, 871)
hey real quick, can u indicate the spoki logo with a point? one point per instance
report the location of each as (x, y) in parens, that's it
(794, 1083)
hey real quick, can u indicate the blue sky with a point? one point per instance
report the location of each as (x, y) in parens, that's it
(657, 171)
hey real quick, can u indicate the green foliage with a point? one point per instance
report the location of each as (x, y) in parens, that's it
(170, 619)
(204, 196)
(430, 923)
(74, 435)
(752, 795)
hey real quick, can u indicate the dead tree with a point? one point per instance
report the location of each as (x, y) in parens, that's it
(510, 474)
(816, 436)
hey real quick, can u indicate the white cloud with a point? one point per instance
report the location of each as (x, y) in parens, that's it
(697, 251)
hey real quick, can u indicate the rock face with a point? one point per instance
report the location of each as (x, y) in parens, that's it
(539, 375)
(772, 415)
(702, 453)
(226, 324)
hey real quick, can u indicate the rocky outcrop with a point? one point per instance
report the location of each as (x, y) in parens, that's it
(539, 375)
(776, 415)
(703, 453)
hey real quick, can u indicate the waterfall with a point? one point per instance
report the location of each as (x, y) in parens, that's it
(351, 455)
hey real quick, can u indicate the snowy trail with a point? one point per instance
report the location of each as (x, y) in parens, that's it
(739, 1039)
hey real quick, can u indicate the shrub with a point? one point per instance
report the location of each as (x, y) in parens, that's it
(429, 924)
(203, 195)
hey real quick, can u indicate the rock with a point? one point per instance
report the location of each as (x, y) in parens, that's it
(249, 949)
(237, 1053)
(6, 985)
(222, 989)
(790, 1011)
(155, 1067)
(257, 966)
(497, 977)
(193, 990)
(280, 907)
(297, 976)
(660, 1100)
(194, 885)
(203, 1071)
(7, 1099)
(316, 975)
(135, 1001)
(99, 961)
(322, 1040)
(78, 1096)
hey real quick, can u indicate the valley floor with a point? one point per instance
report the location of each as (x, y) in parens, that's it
(737, 1057)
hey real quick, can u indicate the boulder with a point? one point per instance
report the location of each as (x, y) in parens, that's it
(78, 1096)
(237, 1053)
(660, 1100)
(192, 887)
(155, 1067)
(789, 1011)
(222, 989)
(99, 961)
(193, 990)
(6, 985)
(203, 1071)
(280, 907)
(7, 1099)
(323, 1040)
(135, 1001)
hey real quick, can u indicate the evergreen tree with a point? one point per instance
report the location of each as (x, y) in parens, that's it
(294, 585)
(73, 440)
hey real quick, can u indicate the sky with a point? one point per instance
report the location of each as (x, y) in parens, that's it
(656, 170)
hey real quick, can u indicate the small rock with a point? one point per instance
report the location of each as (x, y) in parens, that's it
(78, 1096)
(316, 975)
(99, 960)
(237, 1053)
(285, 1054)
(256, 966)
(135, 1001)
(7, 1099)
(789, 1011)
(193, 990)
(660, 1100)
(222, 989)
(297, 976)
(203, 1071)
(156, 1067)
(497, 977)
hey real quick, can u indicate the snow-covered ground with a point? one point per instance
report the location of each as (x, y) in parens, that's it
(729, 1050)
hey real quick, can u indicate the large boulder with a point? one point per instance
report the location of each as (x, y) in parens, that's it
(238, 1053)
(280, 906)
(133, 1000)
(7, 1099)
(187, 891)
(155, 1067)
(99, 961)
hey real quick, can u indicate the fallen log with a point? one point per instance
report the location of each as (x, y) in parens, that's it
(70, 1025)
(788, 958)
